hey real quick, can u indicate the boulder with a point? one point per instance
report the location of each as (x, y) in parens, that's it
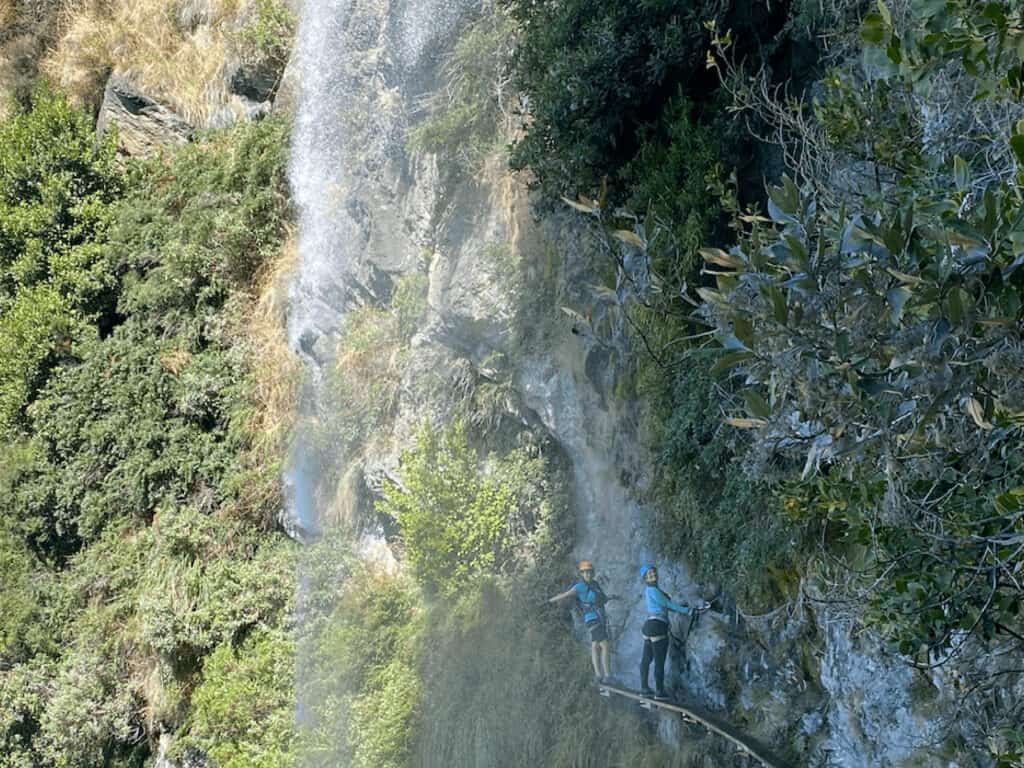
(143, 125)
(286, 98)
(192, 758)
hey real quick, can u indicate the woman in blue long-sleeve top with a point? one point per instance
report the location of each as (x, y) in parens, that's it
(656, 631)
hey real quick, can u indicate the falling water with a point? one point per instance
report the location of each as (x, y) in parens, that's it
(346, 55)
(359, 67)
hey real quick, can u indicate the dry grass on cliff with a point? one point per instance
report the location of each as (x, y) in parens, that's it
(176, 52)
(270, 415)
(275, 365)
(26, 29)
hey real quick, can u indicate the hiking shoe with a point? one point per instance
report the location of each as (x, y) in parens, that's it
(662, 696)
(646, 692)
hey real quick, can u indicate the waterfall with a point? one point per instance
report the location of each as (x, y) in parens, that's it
(316, 295)
(360, 71)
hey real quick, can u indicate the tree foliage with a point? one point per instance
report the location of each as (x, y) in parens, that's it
(461, 518)
(56, 280)
(885, 352)
(131, 542)
(598, 78)
(877, 341)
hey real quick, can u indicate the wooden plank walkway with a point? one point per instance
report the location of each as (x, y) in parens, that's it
(694, 714)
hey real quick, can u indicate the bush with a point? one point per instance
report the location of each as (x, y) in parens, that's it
(464, 122)
(24, 629)
(711, 513)
(56, 192)
(460, 519)
(244, 687)
(670, 186)
(268, 34)
(384, 718)
(132, 489)
(359, 681)
(194, 596)
(24, 692)
(596, 73)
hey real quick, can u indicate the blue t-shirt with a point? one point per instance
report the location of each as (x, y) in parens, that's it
(591, 598)
(659, 604)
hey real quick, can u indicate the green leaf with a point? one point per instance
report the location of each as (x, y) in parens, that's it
(756, 405)
(874, 30)
(955, 305)
(897, 298)
(894, 51)
(1008, 502)
(961, 173)
(731, 360)
(1017, 145)
(883, 11)
(744, 331)
(784, 201)
(780, 309)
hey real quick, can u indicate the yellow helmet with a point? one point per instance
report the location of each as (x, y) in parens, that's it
(586, 565)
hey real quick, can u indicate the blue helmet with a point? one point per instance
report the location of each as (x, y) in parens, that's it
(645, 568)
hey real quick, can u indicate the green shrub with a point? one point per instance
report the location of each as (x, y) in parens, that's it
(366, 374)
(463, 124)
(461, 518)
(89, 681)
(243, 711)
(669, 186)
(193, 596)
(268, 34)
(129, 491)
(711, 514)
(190, 233)
(24, 692)
(56, 190)
(24, 629)
(56, 186)
(409, 303)
(358, 683)
(384, 717)
(602, 79)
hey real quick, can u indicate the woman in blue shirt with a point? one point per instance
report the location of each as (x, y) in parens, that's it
(656, 631)
(591, 600)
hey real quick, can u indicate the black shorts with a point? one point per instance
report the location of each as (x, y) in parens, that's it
(655, 628)
(598, 630)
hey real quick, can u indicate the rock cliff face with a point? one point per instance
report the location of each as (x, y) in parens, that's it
(143, 125)
(498, 279)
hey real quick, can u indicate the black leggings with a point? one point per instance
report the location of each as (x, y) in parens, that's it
(656, 650)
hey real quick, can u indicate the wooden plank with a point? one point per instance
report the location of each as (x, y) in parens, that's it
(695, 714)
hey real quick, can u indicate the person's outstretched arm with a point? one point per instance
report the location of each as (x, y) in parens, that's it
(561, 596)
(666, 602)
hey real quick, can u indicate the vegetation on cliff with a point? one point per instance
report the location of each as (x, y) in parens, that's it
(137, 528)
(847, 362)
